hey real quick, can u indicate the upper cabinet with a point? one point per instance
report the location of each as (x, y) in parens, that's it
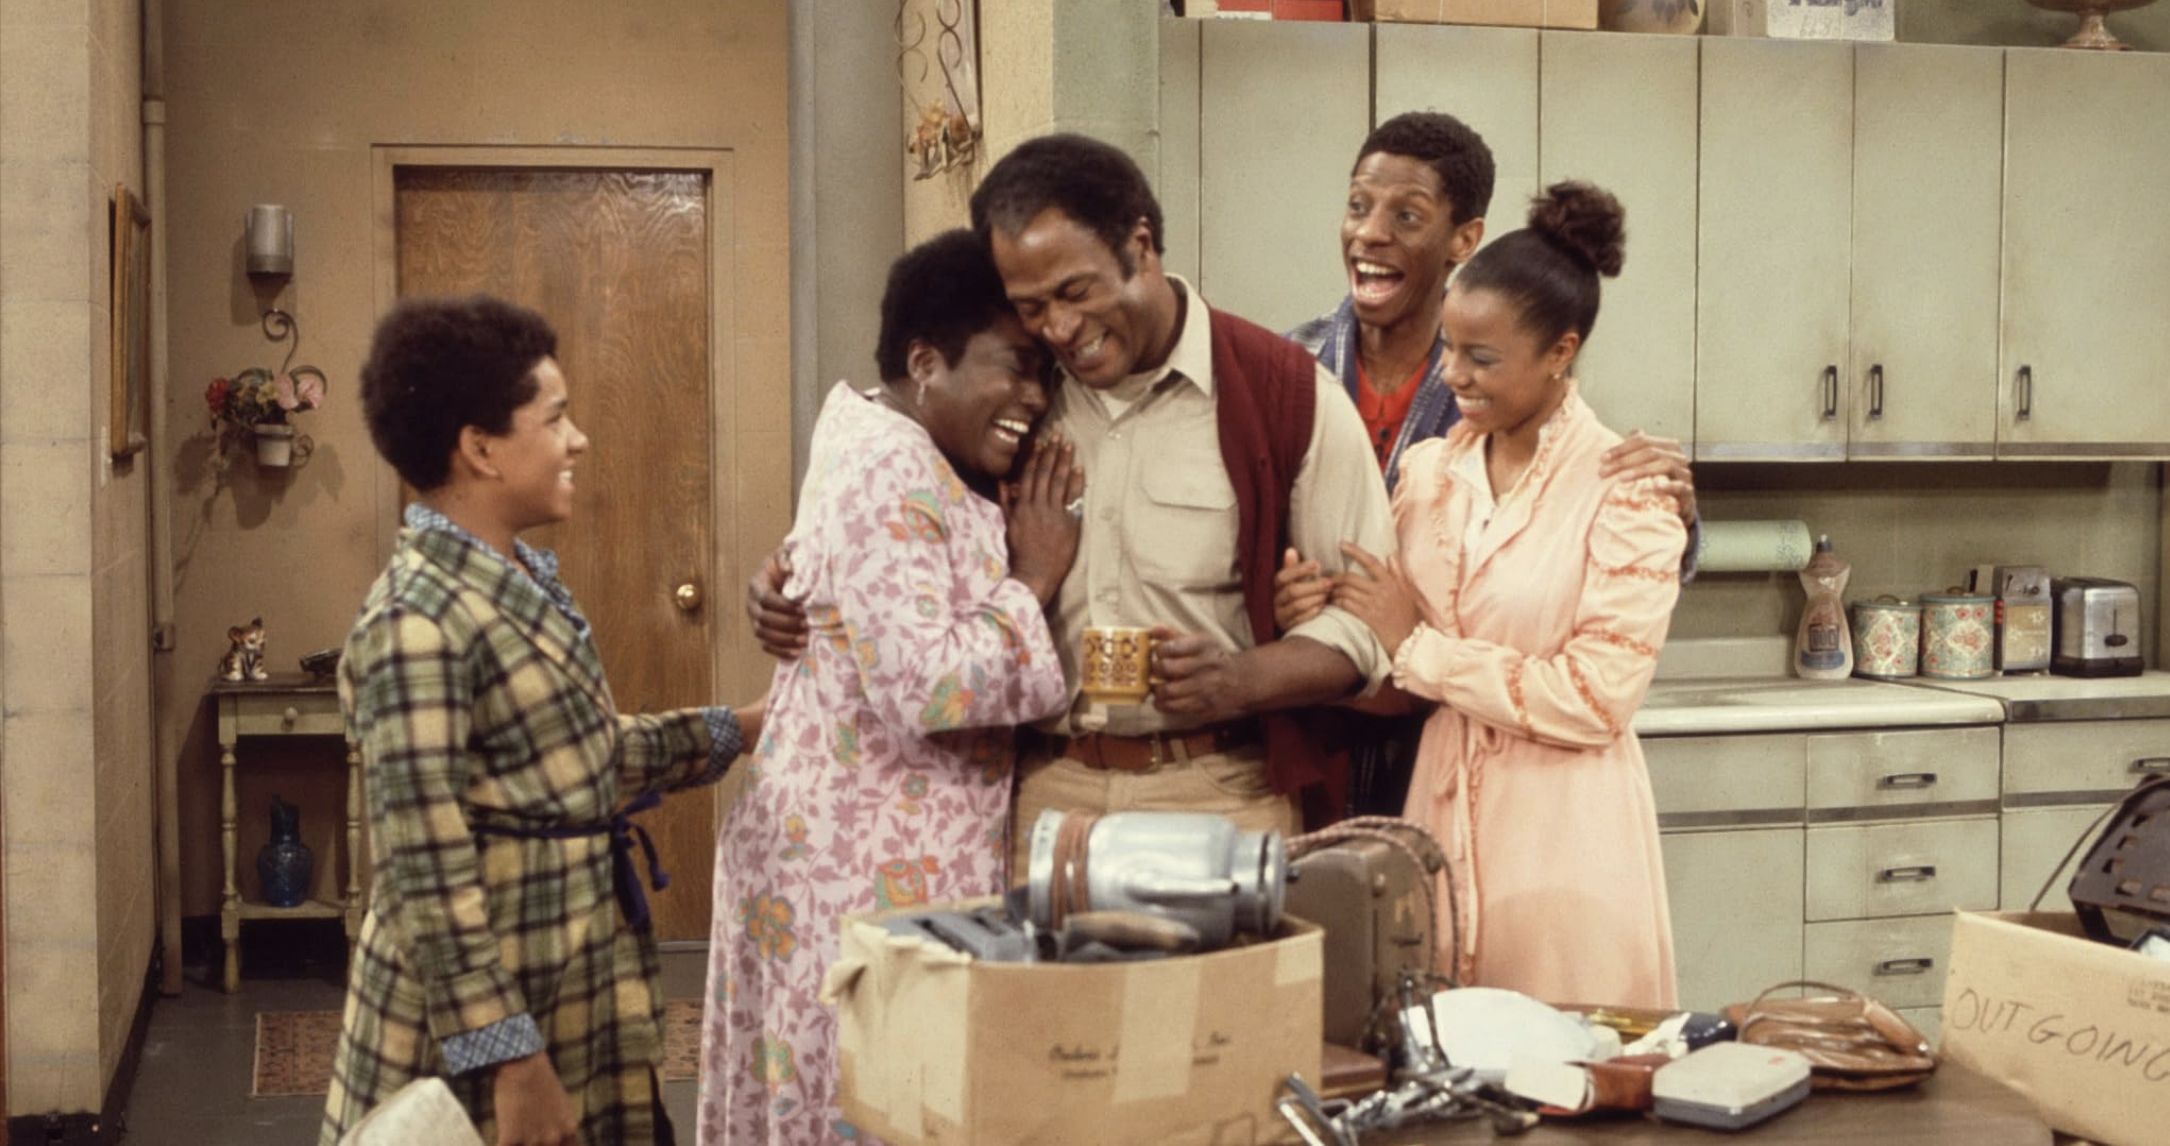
(1283, 108)
(1620, 111)
(1485, 77)
(1773, 312)
(1927, 205)
(1834, 250)
(1850, 208)
(2086, 256)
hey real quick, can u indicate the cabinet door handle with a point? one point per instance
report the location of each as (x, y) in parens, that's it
(1910, 873)
(2152, 764)
(1830, 393)
(1917, 965)
(1907, 780)
(2023, 394)
(1876, 391)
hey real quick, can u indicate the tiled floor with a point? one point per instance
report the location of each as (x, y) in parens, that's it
(193, 1086)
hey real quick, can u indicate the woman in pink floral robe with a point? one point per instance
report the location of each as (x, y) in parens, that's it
(883, 779)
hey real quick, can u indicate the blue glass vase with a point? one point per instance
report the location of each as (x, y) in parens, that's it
(284, 866)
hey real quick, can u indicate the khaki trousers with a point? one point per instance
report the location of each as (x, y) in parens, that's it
(1233, 784)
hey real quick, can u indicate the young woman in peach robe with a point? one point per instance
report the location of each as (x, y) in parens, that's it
(1527, 602)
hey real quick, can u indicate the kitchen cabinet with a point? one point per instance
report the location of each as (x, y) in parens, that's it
(1835, 855)
(1773, 311)
(1485, 77)
(2059, 776)
(1620, 111)
(1849, 219)
(1176, 183)
(1730, 818)
(1927, 210)
(2086, 256)
(1283, 108)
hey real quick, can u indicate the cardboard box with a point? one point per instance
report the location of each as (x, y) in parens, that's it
(1513, 13)
(1327, 10)
(1805, 19)
(2082, 1029)
(936, 1048)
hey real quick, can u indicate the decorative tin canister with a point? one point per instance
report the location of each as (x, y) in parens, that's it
(1958, 636)
(1887, 638)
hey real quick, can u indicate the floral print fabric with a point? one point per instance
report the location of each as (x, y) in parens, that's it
(883, 776)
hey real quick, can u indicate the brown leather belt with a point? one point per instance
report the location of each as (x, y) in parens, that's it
(1109, 753)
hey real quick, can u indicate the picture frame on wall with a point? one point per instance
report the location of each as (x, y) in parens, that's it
(130, 243)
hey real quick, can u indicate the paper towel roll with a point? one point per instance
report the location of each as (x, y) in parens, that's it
(1753, 546)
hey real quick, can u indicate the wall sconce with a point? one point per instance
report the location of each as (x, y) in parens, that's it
(270, 229)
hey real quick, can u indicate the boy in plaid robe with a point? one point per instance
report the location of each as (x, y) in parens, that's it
(506, 947)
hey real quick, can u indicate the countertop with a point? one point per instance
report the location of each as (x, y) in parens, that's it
(1713, 705)
(2029, 698)
(1714, 686)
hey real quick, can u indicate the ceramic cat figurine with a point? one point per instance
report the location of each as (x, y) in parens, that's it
(245, 660)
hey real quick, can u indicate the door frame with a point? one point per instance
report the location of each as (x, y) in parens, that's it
(724, 428)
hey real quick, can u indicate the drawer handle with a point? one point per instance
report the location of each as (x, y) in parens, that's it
(1911, 873)
(1918, 965)
(291, 715)
(2152, 764)
(1907, 780)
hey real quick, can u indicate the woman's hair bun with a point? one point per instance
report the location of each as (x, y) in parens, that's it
(1584, 220)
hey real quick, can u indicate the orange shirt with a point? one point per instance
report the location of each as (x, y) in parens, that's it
(1384, 413)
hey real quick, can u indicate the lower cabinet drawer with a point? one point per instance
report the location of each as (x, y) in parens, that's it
(1915, 868)
(2035, 839)
(1899, 961)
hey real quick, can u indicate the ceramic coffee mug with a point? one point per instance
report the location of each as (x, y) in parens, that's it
(1116, 667)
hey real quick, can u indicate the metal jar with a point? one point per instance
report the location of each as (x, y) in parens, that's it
(1194, 867)
(1958, 636)
(1887, 638)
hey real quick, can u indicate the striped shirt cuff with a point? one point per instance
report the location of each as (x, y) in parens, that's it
(515, 1036)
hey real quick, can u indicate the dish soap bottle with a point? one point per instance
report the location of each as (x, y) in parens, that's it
(1823, 649)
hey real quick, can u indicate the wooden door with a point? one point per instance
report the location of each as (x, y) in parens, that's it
(619, 263)
(1928, 203)
(1775, 246)
(1283, 108)
(1620, 111)
(2086, 256)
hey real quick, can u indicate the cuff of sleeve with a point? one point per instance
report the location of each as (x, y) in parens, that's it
(508, 1038)
(1404, 665)
(725, 739)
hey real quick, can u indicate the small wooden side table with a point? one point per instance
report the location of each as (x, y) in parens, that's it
(288, 704)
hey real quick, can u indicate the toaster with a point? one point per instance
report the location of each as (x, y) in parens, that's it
(2097, 627)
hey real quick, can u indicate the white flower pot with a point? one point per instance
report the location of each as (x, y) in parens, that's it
(275, 445)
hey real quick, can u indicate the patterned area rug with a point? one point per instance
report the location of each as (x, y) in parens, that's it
(294, 1048)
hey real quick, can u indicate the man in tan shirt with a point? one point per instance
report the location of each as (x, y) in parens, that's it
(1076, 234)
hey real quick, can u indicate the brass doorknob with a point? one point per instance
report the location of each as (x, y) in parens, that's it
(687, 597)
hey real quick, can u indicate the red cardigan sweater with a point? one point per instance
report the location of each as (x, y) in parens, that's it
(1266, 397)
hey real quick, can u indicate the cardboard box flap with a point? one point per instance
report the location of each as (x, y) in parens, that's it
(897, 988)
(2082, 1029)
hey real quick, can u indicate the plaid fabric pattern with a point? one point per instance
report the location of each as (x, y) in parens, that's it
(478, 699)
